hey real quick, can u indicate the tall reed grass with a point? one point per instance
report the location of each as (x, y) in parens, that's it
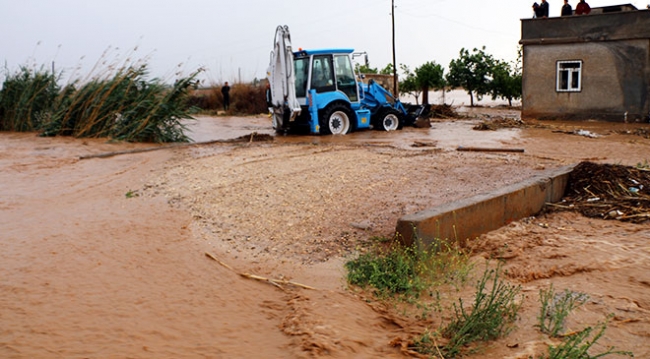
(122, 104)
(24, 97)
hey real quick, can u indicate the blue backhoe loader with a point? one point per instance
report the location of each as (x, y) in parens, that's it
(317, 91)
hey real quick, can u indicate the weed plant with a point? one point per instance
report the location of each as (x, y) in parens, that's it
(491, 316)
(577, 346)
(393, 269)
(556, 308)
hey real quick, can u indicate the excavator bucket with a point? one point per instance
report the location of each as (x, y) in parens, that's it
(283, 104)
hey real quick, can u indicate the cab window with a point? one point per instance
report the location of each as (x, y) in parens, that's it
(345, 76)
(322, 75)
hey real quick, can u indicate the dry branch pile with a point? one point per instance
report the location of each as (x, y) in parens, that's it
(443, 111)
(609, 191)
(494, 123)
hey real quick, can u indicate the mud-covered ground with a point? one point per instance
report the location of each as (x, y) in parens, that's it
(106, 256)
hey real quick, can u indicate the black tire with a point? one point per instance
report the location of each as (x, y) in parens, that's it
(388, 119)
(336, 120)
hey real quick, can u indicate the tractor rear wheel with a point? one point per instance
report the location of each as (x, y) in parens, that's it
(335, 120)
(389, 120)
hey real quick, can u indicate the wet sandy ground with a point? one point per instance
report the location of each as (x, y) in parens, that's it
(105, 257)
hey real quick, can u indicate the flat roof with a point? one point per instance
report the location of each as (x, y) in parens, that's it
(302, 52)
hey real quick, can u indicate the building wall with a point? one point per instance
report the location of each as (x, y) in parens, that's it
(614, 81)
(615, 51)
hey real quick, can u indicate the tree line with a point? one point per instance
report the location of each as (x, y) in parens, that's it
(476, 71)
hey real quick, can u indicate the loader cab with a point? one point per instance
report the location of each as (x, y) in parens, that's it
(325, 71)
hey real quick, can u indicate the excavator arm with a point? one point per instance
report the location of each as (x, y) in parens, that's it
(283, 103)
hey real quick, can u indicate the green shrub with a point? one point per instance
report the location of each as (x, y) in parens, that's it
(390, 271)
(490, 317)
(392, 268)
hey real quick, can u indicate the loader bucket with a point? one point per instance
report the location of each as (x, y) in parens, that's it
(414, 112)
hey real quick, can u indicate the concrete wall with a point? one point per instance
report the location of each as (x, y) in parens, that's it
(615, 50)
(469, 218)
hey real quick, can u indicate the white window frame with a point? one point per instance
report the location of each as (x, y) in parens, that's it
(573, 73)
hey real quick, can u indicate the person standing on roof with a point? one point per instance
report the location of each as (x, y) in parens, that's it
(543, 9)
(566, 9)
(225, 91)
(583, 8)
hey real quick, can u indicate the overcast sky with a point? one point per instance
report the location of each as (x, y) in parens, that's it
(233, 38)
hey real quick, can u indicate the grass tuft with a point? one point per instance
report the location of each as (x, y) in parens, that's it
(393, 269)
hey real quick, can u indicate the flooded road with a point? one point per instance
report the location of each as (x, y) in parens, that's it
(104, 257)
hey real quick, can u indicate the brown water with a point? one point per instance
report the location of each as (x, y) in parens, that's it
(90, 269)
(88, 272)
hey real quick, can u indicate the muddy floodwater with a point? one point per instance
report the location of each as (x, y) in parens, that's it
(169, 253)
(444, 135)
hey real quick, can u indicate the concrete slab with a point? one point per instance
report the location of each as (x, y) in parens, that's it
(468, 218)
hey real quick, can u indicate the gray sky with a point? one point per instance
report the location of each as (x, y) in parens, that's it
(229, 38)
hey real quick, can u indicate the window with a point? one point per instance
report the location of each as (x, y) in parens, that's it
(569, 76)
(301, 67)
(322, 75)
(345, 76)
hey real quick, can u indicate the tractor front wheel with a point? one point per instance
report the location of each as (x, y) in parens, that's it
(389, 120)
(335, 120)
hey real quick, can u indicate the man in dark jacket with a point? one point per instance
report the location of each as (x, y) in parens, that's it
(225, 91)
(566, 9)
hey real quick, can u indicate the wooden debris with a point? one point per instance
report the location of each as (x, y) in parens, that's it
(489, 149)
(275, 282)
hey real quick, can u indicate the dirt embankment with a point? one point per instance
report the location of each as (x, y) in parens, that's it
(105, 257)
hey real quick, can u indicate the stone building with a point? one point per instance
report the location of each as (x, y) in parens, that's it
(582, 67)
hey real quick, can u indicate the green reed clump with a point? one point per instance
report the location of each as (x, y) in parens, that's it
(25, 99)
(122, 104)
(126, 107)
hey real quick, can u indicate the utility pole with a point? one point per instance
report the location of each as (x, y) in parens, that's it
(392, 12)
